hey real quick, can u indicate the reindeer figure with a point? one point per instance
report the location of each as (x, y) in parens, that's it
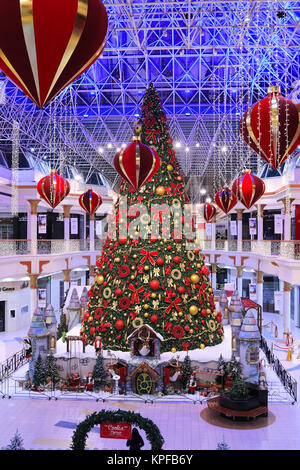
(144, 348)
(177, 371)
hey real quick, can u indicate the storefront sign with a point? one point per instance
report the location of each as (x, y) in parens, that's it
(115, 430)
(42, 298)
(42, 223)
(277, 223)
(74, 226)
(252, 226)
(278, 300)
(233, 227)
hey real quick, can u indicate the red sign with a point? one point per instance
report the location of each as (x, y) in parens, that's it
(115, 430)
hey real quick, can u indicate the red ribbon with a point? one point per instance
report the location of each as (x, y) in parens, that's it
(168, 326)
(178, 186)
(148, 254)
(135, 295)
(201, 294)
(158, 213)
(147, 296)
(185, 346)
(132, 315)
(173, 303)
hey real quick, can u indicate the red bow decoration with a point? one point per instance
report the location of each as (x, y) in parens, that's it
(168, 270)
(148, 255)
(152, 135)
(211, 301)
(173, 303)
(176, 187)
(185, 346)
(168, 326)
(140, 269)
(168, 191)
(135, 295)
(146, 296)
(132, 315)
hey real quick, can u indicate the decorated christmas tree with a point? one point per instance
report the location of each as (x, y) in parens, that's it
(50, 369)
(39, 372)
(151, 270)
(99, 372)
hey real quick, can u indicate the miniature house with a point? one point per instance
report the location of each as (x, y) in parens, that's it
(51, 324)
(144, 379)
(145, 342)
(236, 317)
(39, 337)
(249, 348)
(73, 310)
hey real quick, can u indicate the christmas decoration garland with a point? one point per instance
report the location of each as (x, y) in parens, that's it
(152, 432)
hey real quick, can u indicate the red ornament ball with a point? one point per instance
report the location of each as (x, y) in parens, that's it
(154, 284)
(154, 319)
(119, 325)
(92, 330)
(122, 241)
(177, 259)
(118, 292)
(204, 271)
(181, 290)
(203, 312)
(86, 316)
(160, 261)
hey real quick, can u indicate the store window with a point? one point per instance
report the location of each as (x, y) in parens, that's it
(252, 356)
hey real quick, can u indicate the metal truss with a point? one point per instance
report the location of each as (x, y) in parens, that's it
(209, 60)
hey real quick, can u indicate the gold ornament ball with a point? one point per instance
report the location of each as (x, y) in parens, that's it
(90, 318)
(180, 314)
(146, 314)
(160, 190)
(179, 178)
(132, 276)
(100, 279)
(195, 278)
(173, 350)
(198, 265)
(132, 267)
(191, 331)
(135, 256)
(153, 295)
(202, 346)
(146, 268)
(193, 310)
(146, 306)
(170, 168)
(117, 260)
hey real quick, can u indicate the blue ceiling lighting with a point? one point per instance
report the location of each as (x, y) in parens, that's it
(209, 61)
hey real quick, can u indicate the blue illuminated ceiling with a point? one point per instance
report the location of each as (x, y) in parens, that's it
(209, 61)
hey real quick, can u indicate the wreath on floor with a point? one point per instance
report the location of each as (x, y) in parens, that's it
(152, 432)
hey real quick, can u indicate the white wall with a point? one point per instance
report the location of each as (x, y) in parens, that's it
(17, 299)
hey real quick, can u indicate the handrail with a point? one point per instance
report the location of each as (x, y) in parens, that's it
(12, 364)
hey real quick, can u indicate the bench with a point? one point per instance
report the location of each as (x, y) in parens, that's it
(214, 404)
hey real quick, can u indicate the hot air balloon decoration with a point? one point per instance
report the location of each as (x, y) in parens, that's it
(90, 201)
(45, 46)
(53, 188)
(136, 163)
(209, 211)
(272, 127)
(226, 199)
(248, 188)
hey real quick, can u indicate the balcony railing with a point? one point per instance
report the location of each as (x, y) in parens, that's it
(43, 247)
(284, 249)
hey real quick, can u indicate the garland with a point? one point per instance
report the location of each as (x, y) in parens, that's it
(152, 432)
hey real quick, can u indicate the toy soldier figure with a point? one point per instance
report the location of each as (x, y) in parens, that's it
(27, 347)
(98, 344)
(90, 382)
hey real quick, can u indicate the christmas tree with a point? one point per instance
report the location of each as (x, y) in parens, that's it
(234, 368)
(148, 275)
(222, 445)
(39, 372)
(50, 370)
(99, 372)
(16, 442)
(62, 326)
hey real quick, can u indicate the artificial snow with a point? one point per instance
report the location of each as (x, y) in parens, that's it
(210, 353)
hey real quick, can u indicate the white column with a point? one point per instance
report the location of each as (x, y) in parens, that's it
(239, 280)
(213, 235)
(287, 307)
(259, 287)
(296, 305)
(33, 293)
(240, 229)
(281, 288)
(214, 276)
(92, 232)
(33, 224)
(67, 209)
(260, 222)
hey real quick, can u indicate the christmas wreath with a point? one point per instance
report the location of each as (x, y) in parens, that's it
(124, 303)
(178, 331)
(137, 322)
(124, 270)
(107, 293)
(176, 274)
(104, 416)
(98, 313)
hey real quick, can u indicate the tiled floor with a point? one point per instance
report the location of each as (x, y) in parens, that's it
(47, 424)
